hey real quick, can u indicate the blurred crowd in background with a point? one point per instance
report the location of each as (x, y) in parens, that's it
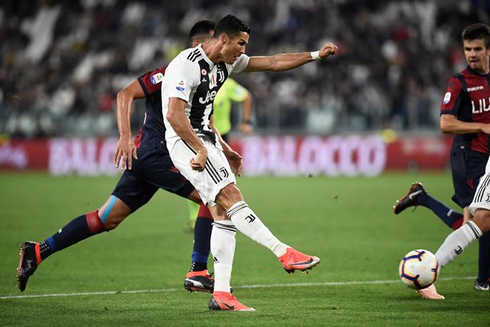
(63, 62)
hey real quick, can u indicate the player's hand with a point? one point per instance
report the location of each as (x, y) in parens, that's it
(125, 152)
(199, 161)
(235, 161)
(329, 49)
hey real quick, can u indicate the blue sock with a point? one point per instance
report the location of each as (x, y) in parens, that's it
(484, 258)
(76, 230)
(202, 238)
(446, 214)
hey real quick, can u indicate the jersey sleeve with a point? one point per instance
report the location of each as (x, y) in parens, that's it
(151, 81)
(240, 64)
(452, 97)
(235, 91)
(182, 78)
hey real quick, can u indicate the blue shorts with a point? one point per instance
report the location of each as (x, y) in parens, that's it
(152, 171)
(467, 167)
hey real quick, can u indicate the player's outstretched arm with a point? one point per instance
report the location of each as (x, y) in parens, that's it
(125, 149)
(286, 61)
(181, 125)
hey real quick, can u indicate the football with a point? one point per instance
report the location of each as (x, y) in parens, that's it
(419, 269)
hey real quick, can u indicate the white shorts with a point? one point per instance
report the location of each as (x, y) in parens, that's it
(215, 176)
(481, 200)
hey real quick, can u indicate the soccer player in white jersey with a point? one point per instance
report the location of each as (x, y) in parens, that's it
(190, 84)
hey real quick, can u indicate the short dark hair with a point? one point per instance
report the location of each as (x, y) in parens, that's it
(231, 26)
(201, 29)
(477, 32)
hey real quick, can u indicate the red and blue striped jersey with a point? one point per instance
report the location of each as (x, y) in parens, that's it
(153, 131)
(467, 97)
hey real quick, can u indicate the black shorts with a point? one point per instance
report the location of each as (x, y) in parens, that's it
(467, 167)
(153, 170)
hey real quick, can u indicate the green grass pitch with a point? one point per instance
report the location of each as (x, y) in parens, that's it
(134, 274)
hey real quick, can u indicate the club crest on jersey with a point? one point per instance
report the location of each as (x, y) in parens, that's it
(221, 76)
(447, 97)
(157, 78)
(180, 86)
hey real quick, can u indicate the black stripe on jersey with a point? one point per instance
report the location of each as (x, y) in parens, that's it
(194, 55)
(461, 78)
(216, 178)
(481, 191)
(213, 169)
(230, 228)
(233, 211)
(189, 147)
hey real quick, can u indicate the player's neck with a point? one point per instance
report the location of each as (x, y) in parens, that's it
(212, 49)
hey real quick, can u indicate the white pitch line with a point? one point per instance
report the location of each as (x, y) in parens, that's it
(372, 282)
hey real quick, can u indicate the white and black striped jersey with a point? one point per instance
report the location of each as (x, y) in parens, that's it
(194, 78)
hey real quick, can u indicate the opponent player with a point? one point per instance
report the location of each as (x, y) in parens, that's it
(189, 87)
(152, 169)
(465, 111)
(229, 93)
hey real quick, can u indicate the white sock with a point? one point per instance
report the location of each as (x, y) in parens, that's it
(247, 222)
(456, 242)
(223, 243)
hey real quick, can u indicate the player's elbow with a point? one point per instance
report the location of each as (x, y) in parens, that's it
(171, 117)
(121, 95)
(443, 126)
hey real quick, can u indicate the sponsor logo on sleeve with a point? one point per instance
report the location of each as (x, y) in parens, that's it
(181, 86)
(447, 97)
(157, 78)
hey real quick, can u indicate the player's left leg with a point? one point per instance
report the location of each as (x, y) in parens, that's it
(108, 217)
(223, 242)
(455, 244)
(417, 195)
(458, 240)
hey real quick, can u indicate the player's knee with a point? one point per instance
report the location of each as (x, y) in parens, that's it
(482, 220)
(228, 196)
(113, 212)
(113, 221)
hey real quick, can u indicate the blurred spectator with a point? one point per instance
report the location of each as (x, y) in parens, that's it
(62, 62)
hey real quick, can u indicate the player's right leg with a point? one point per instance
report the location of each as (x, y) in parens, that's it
(109, 216)
(248, 222)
